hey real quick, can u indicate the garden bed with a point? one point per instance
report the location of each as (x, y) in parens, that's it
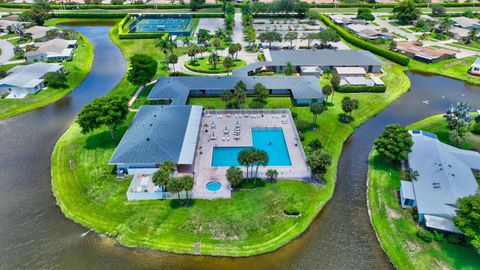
(202, 65)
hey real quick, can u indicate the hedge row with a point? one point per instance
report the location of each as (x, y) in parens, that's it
(345, 34)
(89, 15)
(142, 35)
(122, 15)
(361, 89)
(134, 6)
(186, 6)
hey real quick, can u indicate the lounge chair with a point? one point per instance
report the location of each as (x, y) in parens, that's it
(225, 130)
(213, 125)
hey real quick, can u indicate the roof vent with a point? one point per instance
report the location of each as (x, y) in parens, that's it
(154, 115)
(151, 124)
(148, 139)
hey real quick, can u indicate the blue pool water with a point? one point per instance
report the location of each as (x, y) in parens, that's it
(270, 140)
(213, 186)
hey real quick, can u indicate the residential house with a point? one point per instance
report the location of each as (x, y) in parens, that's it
(39, 32)
(4, 24)
(428, 55)
(458, 33)
(53, 50)
(303, 89)
(369, 32)
(344, 20)
(445, 174)
(465, 22)
(475, 67)
(26, 79)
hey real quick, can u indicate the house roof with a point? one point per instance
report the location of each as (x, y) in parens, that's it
(466, 22)
(444, 174)
(350, 70)
(461, 32)
(160, 133)
(476, 63)
(406, 188)
(54, 47)
(39, 31)
(358, 81)
(29, 76)
(424, 52)
(326, 57)
(178, 88)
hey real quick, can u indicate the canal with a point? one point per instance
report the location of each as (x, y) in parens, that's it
(35, 234)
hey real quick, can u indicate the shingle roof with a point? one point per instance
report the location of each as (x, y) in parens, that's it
(54, 47)
(29, 75)
(445, 174)
(326, 57)
(39, 31)
(157, 133)
(178, 88)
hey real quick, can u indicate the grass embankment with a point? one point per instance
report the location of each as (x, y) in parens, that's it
(453, 68)
(250, 223)
(396, 228)
(78, 69)
(202, 65)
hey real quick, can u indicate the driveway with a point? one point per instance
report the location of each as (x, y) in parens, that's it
(7, 51)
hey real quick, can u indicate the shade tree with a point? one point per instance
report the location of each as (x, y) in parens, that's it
(395, 143)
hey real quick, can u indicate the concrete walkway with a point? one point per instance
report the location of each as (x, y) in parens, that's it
(7, 51)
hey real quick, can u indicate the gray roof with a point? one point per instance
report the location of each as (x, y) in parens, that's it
(29, 76)
(445, 174)
(178, 88)
(335, 58)
(160, 133)
(39, 31)
(54, 47)
(466, 22)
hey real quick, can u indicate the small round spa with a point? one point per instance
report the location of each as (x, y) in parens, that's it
(213, 186)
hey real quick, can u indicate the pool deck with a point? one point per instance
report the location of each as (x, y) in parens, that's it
(248, 119)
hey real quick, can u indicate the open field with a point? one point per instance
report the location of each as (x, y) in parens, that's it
(396, 228)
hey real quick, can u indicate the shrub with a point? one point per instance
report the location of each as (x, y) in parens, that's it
(476, 128)
(425, 235)
(301, 124)
(438, 236)
(294, 115)
(454, 239)
(256, 104)
(291, 212)
(301, 136)
(362, 89)
(345, 34)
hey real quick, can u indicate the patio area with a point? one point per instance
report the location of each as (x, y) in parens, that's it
(233, 128)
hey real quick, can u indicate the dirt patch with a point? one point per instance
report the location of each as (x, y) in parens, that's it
(392, 214)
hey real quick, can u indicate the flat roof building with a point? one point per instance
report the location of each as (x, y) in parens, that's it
(445, 174)
(465, 22)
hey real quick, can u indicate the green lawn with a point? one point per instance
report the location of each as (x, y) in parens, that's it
(453, 68)
(78, 68)
(202, 65)
(396, 228)
(142, 98)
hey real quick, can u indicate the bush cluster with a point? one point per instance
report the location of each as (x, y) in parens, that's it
(454, 239)
(393, 56)
(425, 236)
(361, 89)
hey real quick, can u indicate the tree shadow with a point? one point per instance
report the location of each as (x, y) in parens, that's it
(181, 203)
(102, 140)
(344, 118)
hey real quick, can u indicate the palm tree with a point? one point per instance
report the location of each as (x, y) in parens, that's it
(260, 157)
(203, 35)
(244, 159)
(272, 175)
(227, 96)
(472, 36)
(422, 38)
(228, 63)
(166, 45)
(316, 109)
(161, 178)
(187, 41)
(234, 176)
(213, 59)
(445, 25)
(175, 185)
(220, 34)
(187, 182)
(173, 59)
(412, 174)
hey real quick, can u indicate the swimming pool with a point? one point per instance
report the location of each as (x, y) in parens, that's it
(270, 140)
(213, 186)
